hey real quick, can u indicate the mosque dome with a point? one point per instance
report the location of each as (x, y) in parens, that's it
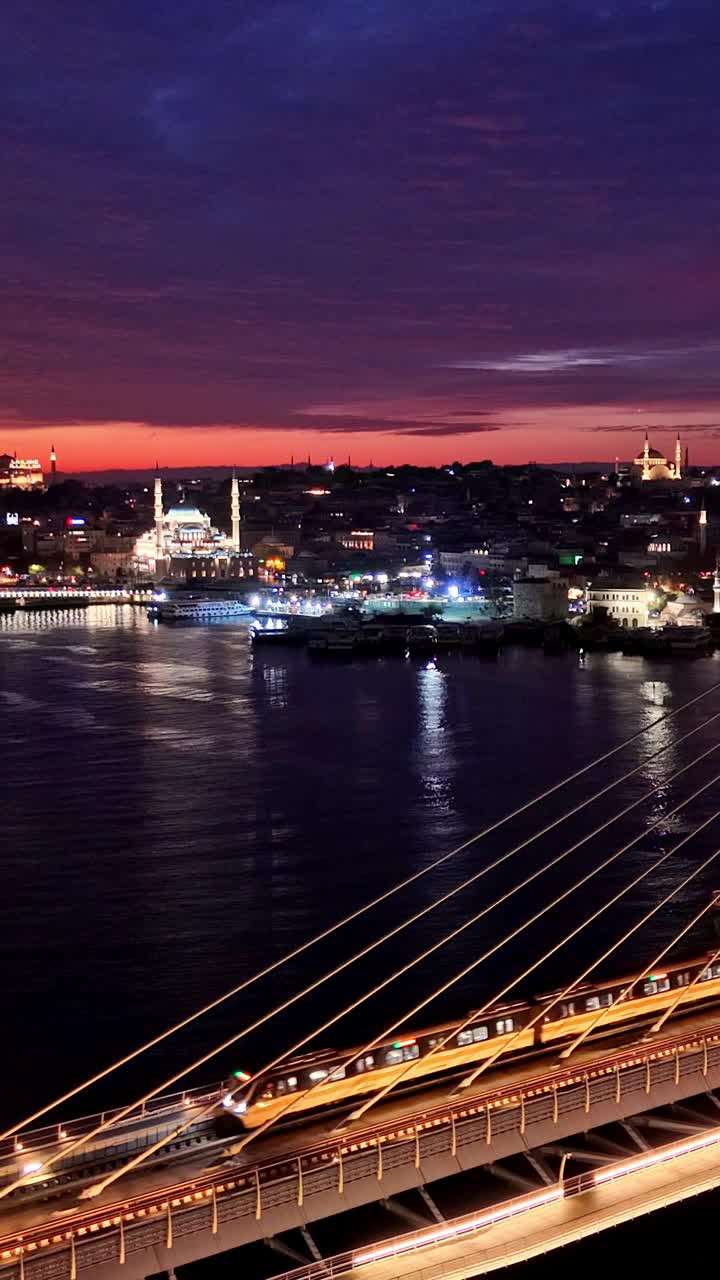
(186, 515)
(653, 454)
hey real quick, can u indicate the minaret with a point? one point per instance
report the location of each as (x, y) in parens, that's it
(646, 459)
(678, 458)
(235, 514)
(702, 529)
(716, 588)
(159, 544)
(53, 464)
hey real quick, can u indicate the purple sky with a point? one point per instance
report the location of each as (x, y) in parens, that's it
(411, 229)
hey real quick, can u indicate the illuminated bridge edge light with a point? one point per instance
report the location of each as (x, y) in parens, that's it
(586, 1182)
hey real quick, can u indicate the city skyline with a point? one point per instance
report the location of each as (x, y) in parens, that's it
(401, 234)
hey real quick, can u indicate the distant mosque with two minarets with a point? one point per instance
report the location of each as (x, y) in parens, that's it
(653, 465)
(183, 543)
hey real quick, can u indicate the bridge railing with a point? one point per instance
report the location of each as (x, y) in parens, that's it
(28, 1140)
(256, 1189)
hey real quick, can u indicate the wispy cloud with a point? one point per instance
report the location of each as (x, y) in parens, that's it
(240, 213)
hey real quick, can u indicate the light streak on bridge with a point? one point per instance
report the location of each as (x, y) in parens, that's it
(519, 1229)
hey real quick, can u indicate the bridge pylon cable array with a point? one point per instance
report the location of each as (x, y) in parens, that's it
(498, 995)
(237, 1147)
(138, 1102)
(354, 915)
(640, 977)
(478, 1013)
(572, 986)
(186, 1070)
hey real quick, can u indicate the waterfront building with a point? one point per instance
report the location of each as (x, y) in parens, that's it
(358, 540)
(627, 604)
(540, 599)
(467, 559)
(20, 473)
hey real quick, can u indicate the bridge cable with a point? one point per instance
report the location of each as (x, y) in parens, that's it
(377, 1097)
(571, 986)
(354, 915)
(142, 1156)
(139, 1102)
(640, 977)
(682, 994)
(566, 1052)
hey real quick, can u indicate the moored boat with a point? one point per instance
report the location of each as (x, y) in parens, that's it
(197, 610)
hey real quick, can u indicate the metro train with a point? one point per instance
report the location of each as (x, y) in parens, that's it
(269, 1093)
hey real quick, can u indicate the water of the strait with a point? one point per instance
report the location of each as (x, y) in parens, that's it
(179, 811)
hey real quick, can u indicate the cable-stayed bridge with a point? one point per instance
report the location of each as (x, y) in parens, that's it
(555, 1097)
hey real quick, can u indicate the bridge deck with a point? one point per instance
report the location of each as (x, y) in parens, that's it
(21, 1215)
(558, 1221)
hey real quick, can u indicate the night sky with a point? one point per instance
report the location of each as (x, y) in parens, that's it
(401, 229)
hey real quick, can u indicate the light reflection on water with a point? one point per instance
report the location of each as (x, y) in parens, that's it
(178, 810)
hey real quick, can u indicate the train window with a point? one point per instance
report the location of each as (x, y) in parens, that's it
(365, 1064)
(682, 979)
(479, 1033)
(320, 1074)
(503, 1025)
(567, 1010)
(279, 1087)
(654, 985)
(411, 1051)
(598, 1002)
(338, 1073)
(393, 1056)
(712, 971)
(464, 1037)
(291, 1082)
(268, 1091)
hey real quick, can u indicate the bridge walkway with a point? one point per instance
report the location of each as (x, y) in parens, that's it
(536, 1223)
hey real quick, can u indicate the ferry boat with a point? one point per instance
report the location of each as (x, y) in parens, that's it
(688, 639)
(197, 610)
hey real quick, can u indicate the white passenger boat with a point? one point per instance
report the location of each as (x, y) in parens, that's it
(198, 610)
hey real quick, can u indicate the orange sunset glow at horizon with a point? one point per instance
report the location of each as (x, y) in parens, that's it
(558, 436)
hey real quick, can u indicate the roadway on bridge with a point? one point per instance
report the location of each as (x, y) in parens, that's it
(20, 1215)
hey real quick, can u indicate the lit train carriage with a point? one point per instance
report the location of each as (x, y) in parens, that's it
(578, 1008)
(270, 1093)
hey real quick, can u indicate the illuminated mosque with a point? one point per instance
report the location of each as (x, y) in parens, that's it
(654, 465)
(183, 543)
